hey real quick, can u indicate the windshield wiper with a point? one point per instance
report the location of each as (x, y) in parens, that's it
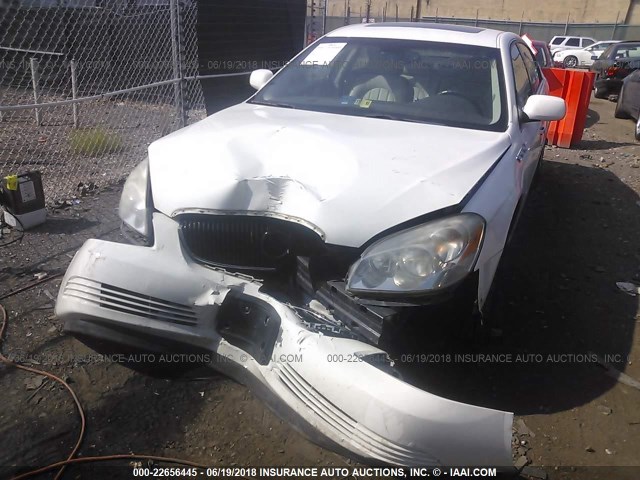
(386, 116)
(272, 104)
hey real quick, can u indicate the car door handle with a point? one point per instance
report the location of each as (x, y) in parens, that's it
(523, 151)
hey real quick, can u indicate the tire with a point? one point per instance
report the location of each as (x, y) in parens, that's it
(600, 92)
(638, 128)
(570, 62)
(619, 111)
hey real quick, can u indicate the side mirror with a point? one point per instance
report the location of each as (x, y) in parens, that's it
(259, 78)
(544, 108)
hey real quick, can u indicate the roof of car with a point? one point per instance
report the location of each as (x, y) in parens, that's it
(572, 36)
(435, 32)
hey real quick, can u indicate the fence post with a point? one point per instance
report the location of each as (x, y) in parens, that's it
(477, 13)
(520, 27)
(324, 18)
(35, 81)
(615, 26)
(74, 92)
(368, 10)
(177, 61)
(566, 25)
(436, 15)
(396, 12)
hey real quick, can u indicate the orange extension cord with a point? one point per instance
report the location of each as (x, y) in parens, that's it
(70, 459)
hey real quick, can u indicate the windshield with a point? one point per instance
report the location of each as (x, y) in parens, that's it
(415, 81)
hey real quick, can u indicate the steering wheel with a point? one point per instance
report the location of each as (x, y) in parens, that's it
(470, 101)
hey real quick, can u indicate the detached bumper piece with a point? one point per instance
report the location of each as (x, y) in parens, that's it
(340, 391)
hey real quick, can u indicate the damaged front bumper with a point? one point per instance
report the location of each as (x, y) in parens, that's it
(341, 392)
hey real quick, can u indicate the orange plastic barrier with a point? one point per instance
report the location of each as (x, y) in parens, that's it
(575, 87)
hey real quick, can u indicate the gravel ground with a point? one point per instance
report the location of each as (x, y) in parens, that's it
(557, 308)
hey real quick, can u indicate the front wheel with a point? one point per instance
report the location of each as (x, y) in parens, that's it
(600, 92)
(570, 62)
(638, 128)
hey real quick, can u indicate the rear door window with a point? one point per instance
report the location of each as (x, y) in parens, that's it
(586, 42)
(634, 52)
(573, 42)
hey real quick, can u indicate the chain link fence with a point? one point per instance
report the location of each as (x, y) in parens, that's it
(543, 31)
(86, 85)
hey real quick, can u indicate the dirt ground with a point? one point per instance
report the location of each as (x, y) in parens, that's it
(557, 312)
(111, 138)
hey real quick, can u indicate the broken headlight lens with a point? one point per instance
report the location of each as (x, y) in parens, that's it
(135, 200)
(427, 257)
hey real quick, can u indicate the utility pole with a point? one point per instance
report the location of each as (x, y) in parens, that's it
(368, 10)
(418, 10)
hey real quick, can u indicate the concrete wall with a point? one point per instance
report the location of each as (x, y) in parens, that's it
(579, 11)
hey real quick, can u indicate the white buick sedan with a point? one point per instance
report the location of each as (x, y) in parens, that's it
(375, 177)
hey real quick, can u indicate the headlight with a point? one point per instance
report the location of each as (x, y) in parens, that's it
(135, 200)
(421, 259)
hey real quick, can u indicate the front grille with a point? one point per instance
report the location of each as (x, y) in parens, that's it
(246, 242)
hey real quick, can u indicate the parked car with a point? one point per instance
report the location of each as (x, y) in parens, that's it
(543, 55)
(564, 42)
(615, 63)
(581, 57)
(372, 180)
(628, 105)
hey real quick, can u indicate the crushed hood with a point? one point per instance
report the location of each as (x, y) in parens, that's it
(351, 177)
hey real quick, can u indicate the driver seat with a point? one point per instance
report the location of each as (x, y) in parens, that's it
(383, 88)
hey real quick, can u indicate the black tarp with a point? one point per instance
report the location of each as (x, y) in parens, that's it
(244, 35)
